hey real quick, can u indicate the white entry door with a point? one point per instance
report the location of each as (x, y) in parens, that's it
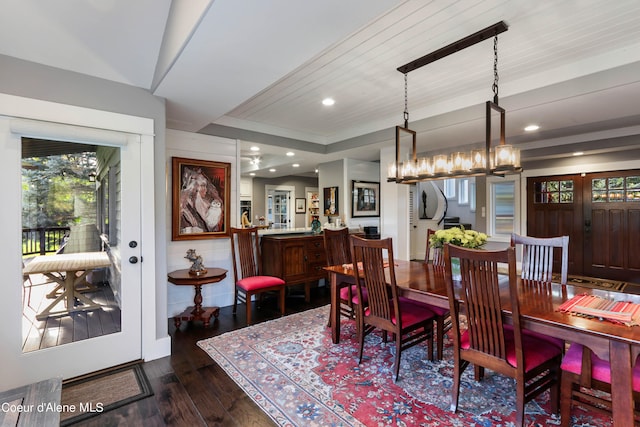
(88, 355)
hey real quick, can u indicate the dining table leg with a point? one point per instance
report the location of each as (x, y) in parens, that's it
(621, 383)
(335, 308)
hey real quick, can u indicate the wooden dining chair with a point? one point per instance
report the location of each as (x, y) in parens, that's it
(586, 381)
(410, 322)
(443, 318)
(247, 270)
(433, 255)
(337, 247)
(537, 256)
(488, 341)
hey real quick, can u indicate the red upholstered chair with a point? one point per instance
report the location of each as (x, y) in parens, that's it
(443, 318)
(582, 369)
(489, 342)
(247, 270)
(410, 322)
(337, 247)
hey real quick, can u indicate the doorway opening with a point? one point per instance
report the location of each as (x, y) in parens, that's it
(69, 222)
(279, 206)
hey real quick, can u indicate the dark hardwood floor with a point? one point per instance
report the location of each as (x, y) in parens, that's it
(190, 389)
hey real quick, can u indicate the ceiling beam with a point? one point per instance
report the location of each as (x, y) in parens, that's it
(454, 47)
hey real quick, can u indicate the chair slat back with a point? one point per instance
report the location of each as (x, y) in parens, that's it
(245, 250)
(382, 291)
(480, 294)
(336, 245)
(436, 258)
(538, 255)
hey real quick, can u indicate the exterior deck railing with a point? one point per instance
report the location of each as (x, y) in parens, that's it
(43, 240)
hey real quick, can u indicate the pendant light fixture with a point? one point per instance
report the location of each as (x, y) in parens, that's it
(501, 160)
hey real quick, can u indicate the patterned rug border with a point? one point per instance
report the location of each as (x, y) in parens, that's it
(143, 384)
(249, 387)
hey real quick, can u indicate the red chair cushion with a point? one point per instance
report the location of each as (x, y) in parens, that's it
(344, 294)
(536, 351)
(600, 369)
(412, 312)
(255, 283)
(556, 342)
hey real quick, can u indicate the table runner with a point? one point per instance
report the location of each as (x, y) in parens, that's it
(623, 312)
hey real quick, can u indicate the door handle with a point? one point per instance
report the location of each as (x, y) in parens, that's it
(587, 226)
(133, 260)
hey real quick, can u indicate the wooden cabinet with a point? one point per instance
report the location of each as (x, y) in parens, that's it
(296, 258)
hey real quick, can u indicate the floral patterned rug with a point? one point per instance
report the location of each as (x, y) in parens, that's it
(294, 373)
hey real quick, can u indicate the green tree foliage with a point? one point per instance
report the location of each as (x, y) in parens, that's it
(57, 191)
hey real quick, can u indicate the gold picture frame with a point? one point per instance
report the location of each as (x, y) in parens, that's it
(201, 192)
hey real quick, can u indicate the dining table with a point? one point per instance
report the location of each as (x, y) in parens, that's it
(69, 271)
(539, 302)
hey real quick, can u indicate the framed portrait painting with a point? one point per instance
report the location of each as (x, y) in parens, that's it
(365, 200)
(201, 192)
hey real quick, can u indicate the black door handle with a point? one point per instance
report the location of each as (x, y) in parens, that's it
(133, 260)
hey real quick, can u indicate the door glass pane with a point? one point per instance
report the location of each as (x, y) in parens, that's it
(70, 283)
(599, 184)
(598, 196)
(616, 183)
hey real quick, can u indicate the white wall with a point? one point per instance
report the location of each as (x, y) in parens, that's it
(331, 174)
(394, 208)
(214, 252)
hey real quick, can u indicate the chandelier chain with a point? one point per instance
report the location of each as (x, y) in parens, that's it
(495, 69)
(406, 103)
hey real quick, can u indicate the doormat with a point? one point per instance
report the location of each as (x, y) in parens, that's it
(100, 392)
(610, 285)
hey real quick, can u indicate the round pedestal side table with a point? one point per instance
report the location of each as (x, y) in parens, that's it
(197, 312)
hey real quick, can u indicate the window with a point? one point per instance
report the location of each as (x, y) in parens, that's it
(615, 189)
(472, 195)
(554, 192)
(503, 207)
(450, 188)
(463, 191)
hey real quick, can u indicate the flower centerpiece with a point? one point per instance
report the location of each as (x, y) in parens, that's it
(458, 236)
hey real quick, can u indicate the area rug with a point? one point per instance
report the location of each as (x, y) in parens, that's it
(95, 394)
(590, 282)
(296, 375)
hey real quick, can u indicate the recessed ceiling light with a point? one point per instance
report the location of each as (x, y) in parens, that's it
(290, 153)
(316, 170)
(328, 101)
(531, 128)
(272, 170)
(295, 165)
(252, 174)
(578, 153)
(255, 148)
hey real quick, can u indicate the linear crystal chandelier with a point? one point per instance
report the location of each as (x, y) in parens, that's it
(499, 160)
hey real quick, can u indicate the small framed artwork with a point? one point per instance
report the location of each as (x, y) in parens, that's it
(301, 206)
(365, 199)
(331, 207)
(201, 197)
